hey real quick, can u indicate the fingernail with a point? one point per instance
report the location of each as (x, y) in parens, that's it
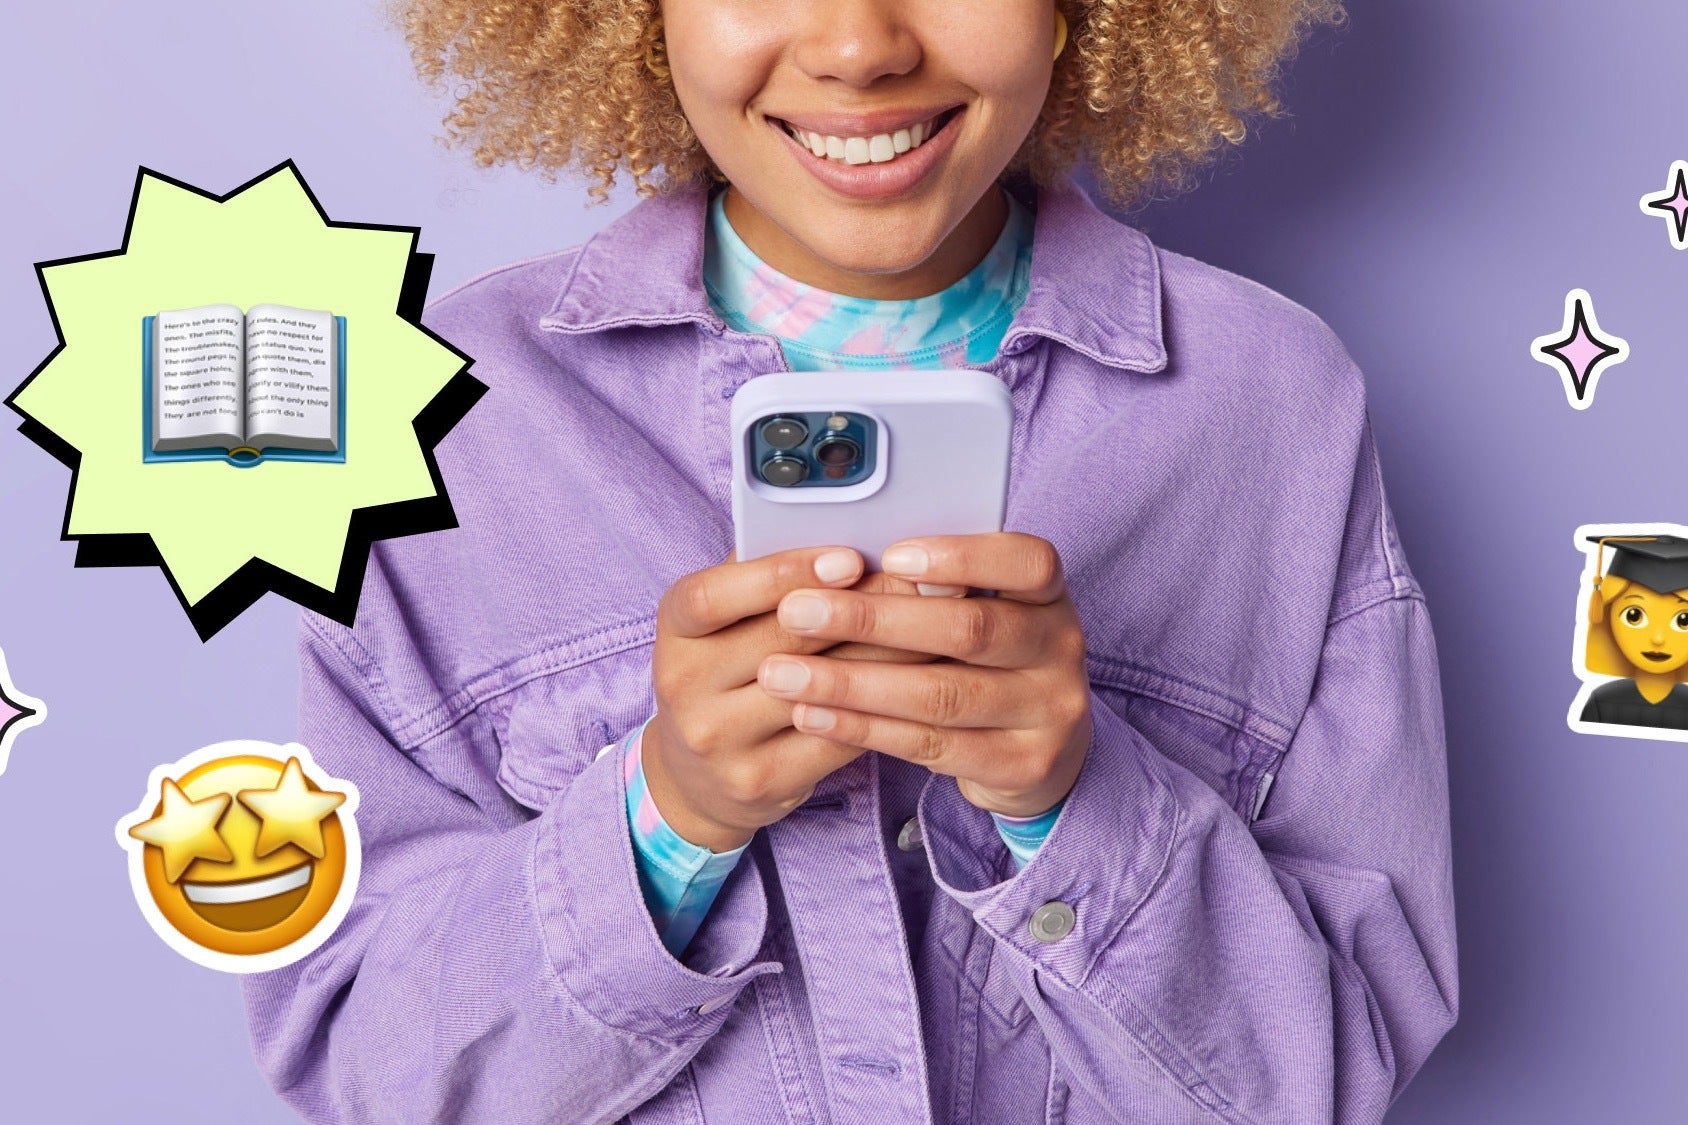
(834, 566)
(785, 675)
(909, 561)
(814, 718)
(803, 611)
(934, 590)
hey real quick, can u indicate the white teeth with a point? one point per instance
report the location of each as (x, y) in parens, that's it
(880, 148)
(216, 894)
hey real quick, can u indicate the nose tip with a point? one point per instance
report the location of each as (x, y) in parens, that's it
(858, 44)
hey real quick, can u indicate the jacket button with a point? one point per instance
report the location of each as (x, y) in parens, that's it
(910, 839)
(1052, 921)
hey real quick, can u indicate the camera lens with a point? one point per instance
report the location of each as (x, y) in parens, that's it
(784, 433)
(837, 451)
(784, 471)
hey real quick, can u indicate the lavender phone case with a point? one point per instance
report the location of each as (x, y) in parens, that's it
(942, 460)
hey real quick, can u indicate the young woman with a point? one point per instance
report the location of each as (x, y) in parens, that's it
(1158, 833)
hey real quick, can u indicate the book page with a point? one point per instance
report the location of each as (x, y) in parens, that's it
(292, 379)
(196, 378)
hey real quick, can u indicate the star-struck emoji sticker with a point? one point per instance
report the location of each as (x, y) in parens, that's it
(185, 830)
(290, 813)
(18, 712)
(1671, 204)
(1579, 351)
(243, 856)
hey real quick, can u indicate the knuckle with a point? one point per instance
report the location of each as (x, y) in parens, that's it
(698, 602)
(1070, 644)
(793, 569)
(945, 699)
(700, 733)
(930, 745)
(1043, 563)
(852, 615)
(749, 784)
(1071, 705)
(977, 629)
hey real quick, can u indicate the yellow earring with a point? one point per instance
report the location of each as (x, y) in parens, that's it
(1060, 32)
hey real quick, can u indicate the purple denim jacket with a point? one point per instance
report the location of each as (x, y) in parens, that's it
(1243, 913)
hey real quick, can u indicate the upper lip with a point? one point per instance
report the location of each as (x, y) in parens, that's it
(861, 124)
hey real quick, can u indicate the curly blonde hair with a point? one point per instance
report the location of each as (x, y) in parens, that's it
(1145, 90)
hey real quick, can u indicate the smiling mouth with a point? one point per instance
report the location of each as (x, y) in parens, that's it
(879, 148)
(1656, 656)
(254, 904)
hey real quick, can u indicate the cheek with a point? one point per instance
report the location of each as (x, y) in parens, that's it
(719, 57)
(1630, 640)
(1009, 69)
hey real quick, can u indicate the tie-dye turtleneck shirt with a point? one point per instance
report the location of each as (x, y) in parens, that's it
(821, 331)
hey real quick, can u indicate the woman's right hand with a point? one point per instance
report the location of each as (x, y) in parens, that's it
(720, 755)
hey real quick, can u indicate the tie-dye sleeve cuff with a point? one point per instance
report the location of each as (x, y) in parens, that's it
(678, 878)
(1024, 835)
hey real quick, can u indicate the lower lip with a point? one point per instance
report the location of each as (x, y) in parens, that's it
(875, 181)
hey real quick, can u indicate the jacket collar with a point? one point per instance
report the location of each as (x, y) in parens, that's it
(646, 267)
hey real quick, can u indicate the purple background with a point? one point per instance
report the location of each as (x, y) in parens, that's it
(1450, 171)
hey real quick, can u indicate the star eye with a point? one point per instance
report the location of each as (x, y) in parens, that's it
(1635, 616)
(291, 813)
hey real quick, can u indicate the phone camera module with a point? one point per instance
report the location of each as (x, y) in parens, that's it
(837, 452)
(784, 433)
(784, 471)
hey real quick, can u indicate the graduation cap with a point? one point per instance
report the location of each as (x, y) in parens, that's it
(1658, 562)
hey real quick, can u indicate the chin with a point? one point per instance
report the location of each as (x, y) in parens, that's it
(890, 255)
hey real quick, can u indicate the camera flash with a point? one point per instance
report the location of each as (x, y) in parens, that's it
(837, 422)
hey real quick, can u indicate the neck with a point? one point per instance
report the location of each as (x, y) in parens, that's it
(1654, 686)
(964, 248)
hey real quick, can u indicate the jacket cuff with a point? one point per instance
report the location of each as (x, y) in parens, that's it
(600, 936)
(1103, 855)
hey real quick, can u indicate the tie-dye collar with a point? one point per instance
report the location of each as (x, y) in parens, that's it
(819, 330)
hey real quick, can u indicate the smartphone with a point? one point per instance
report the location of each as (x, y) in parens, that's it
(864, 459)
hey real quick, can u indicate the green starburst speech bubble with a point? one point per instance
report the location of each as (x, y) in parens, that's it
(224, 535)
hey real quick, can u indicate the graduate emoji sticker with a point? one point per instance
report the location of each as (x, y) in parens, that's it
(1632, 635)
(243, 856)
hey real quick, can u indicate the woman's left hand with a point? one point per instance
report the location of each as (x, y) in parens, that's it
(1007, 714)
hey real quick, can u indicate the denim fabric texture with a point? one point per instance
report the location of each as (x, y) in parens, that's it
(1254, 861)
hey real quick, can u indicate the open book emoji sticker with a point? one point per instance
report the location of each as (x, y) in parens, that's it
(229, 452)
(265, 385)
